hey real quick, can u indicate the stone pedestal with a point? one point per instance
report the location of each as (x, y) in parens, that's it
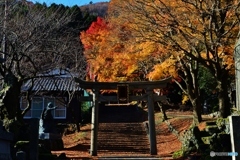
(33, 142)
(5, 140)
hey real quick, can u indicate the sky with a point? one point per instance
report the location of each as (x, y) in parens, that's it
(69, 2)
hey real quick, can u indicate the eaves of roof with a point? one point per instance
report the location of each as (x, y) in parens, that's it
(51, 84)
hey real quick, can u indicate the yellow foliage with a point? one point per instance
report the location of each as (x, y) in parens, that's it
(163, 70)
(185, 98)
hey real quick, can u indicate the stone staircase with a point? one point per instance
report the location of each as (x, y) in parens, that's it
(216, 135)
(121, 131)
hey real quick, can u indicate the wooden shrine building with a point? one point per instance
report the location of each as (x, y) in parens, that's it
(123, 96)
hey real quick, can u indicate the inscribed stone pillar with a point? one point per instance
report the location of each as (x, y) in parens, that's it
(237, 73)
(234, 122)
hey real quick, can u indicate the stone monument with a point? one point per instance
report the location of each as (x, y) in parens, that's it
(46, 123)
(48, 134)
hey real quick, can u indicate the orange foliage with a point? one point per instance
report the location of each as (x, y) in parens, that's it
(149, 36)
(112, 52)
(109, 52)
(203, 30)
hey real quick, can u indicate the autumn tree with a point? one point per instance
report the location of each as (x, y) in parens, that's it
(162, 60)
(195, 33)
(34, 38)
(113, 54)
(97, 44)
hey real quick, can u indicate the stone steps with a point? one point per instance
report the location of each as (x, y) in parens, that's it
(214, 136)
(121, 130)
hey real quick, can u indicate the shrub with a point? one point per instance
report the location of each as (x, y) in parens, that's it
(86, 112)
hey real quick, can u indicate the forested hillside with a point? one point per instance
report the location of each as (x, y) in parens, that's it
(97, 9)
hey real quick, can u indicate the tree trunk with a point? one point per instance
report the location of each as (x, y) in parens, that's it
(223, 98)
(10, 111)
(197, 116)
(163, 110)
(10, 98)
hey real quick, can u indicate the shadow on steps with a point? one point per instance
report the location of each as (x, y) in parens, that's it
(121, 130)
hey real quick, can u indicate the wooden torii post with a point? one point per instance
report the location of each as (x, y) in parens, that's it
(96, 97)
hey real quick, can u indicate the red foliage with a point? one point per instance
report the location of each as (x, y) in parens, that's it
(97, 26)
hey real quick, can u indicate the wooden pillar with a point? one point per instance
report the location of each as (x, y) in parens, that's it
(94, 124)
(151, 121)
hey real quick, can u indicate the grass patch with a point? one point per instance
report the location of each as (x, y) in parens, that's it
(158, 118)
(80, 135)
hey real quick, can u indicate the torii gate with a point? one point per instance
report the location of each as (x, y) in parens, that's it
(123, 96)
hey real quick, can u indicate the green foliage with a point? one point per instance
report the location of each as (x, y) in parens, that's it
(220, 140)
(86, 112)
(4, 89)
(13, 126)
(223, 125)
(20, 10)
(20, 145)
(207, 82)
(178, 154)
(215, 137)
(191, 140)
(207, 85)
(39, 5)
(75, 10)
(89, 18)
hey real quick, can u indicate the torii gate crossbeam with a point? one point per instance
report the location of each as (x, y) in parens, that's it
(96, 97)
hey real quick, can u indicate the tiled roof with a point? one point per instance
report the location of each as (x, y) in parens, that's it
(52, 84)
